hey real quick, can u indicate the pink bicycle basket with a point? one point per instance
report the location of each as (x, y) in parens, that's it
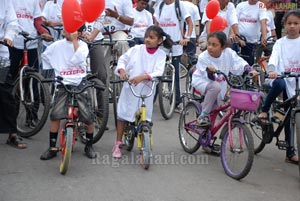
(244, 100)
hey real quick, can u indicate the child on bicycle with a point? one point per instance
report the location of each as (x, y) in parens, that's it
(139, 64)
(217, 57)
(68, 59)
(285, 57)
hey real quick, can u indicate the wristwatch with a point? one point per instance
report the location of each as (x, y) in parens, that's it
(188, 37)
(118, 18)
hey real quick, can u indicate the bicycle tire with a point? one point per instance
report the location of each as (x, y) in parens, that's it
(32, 116)
(116, 91)
(183, 71)
(189, 139)
(146, 150)
(256, 129)
(66, 151)
(101, 113)
(236, 170)
(298, 136)
(166, 92)
(128, 137)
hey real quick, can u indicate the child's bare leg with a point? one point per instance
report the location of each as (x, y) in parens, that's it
(120, 129)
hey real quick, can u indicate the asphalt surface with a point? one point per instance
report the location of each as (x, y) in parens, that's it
(174, 176)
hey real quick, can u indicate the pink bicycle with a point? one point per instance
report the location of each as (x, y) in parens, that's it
(237, 148)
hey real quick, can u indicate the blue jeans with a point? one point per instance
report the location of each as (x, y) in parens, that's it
(249, 51)
(279, 86)
(175, 62)
(190, 50)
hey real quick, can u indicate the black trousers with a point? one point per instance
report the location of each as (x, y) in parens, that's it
(8, 111)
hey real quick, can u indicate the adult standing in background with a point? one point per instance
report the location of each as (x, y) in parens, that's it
(8, 113)
(165, 16)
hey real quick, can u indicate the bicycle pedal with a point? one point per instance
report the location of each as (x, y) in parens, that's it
(216, 149)
(282, 145)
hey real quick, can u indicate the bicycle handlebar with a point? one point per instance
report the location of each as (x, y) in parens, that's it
(285, 74)
(154, 80)
(28, 38)
(230, 83)
(59, 80)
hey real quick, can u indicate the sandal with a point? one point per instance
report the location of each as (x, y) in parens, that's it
(262, 119)
(293, 159)
(16, 142)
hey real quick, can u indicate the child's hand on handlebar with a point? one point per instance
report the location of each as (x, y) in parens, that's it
(123, 74)
(211, 69)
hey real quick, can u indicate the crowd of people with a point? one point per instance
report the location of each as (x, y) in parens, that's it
(151, 23)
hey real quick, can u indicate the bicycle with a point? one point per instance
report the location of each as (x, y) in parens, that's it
(166, 88)
(140, 128)
(101, 101)
(292, 113)
(236, 137)
(70, 129)
(32, 95)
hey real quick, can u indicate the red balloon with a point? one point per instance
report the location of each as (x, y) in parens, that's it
(212, 9)
(91, 9)
(217, 24)
(71, 15)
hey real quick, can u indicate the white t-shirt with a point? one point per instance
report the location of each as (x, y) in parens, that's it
(249, 17)
(195, 15)
(8, 25)
(89, 29)
(157, 3)
(66, 63)
(169, 22)
(202, 5)
(285, 57)
(270, 23)
(26, 11)
(52, 12)
(228, 13)
(142, 20)
(137, 61)
(229, 61)
(124, 8)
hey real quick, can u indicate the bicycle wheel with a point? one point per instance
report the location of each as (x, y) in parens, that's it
(101, 104)
(146, 150)
(33, 111)
(255, 129)
(66, 150)
(166, 92)
(297, 135)
(128, 137)
(237, 150)
(187, 128)
(183, 71)
(116, 91)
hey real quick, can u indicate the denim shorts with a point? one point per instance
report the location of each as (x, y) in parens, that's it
(84, 103)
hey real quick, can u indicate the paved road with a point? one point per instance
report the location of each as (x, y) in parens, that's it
(175, 176)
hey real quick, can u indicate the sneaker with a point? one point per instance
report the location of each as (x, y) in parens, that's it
(203, 121)
(116, 150)
(48, 154)
(178, 109)
(90, 152)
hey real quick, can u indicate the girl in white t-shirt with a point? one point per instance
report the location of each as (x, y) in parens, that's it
(140, 64)
(285, 57)
(217, 57)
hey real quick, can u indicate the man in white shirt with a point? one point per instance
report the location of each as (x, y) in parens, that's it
(252, 24)
(166, 17)
(8, 114)
(190, 49)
